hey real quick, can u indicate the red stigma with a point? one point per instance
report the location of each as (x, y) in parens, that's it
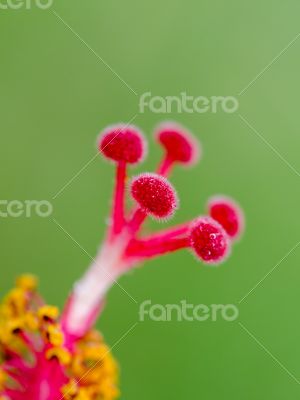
(179, 144)
(209, 240)
(123, 143)
(228, 214)
(155, 195)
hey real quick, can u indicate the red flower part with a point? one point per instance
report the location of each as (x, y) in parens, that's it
(179, 144)
(44, 356)
(169, 233)
(145, 249)
(163, 242)
(118, 209)
(155, 195)
(37, 359)
(123, 143)
(209, 240)
(228, 213)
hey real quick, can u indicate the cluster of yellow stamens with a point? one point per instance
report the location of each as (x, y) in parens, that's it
(94, 371)
(31, 333)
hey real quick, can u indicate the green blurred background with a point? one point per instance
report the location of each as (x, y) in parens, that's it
(56, 95)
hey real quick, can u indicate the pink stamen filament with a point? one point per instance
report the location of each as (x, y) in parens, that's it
(18, 376)
(136, 221)
(165, 166)
(118, 205)
(41, 380)
(167, 234)
(147, 249)
(27, 340)
(16, 362)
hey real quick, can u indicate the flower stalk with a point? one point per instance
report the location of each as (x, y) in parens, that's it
(47, 357)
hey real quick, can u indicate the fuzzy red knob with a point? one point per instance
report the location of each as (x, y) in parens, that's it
(123, 143)
(228, 214)
(155, 195)
(179, 144)
(209, 240)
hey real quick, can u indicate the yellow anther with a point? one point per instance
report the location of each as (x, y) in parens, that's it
(70, 390)
(27, 282)
(55, 335)
(78, 368)
(93, 336)
(2, 334)
(60, 353)
(48, 312)
(30, 321)
(108, 390)
(95, 352)
(6, 311)
(83, 394)
(110, 365)
(16, 301)
(14, 326)
(3, 379)
(93, 375)
(9, 330)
